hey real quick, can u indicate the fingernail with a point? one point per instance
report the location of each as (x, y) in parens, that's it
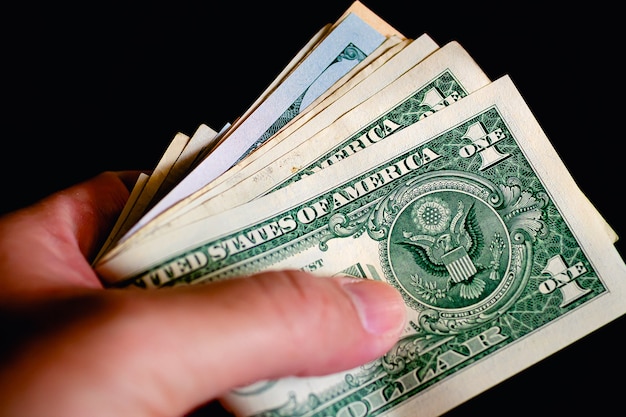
(380, 307)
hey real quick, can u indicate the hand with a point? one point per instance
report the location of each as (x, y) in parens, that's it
(73, 348)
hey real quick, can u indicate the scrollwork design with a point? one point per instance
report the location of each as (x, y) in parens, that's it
(373, 221)
(351, 53)
(376, 220)
(523, 212)
(395, 362)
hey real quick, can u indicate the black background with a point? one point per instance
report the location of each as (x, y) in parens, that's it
(93, 88)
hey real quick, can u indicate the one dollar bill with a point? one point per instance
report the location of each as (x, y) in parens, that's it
(470, 214)
(446, 76)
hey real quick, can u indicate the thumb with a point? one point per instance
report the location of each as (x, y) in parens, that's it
(168, 351)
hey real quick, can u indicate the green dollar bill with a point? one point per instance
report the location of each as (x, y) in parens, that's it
(345, 95)
(444, 77)
(470, 214)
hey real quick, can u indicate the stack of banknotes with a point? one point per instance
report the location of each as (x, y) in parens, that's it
(383, 157)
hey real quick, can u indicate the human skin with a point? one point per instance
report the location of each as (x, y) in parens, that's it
(72, 347)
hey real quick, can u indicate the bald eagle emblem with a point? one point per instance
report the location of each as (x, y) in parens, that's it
(446, 243)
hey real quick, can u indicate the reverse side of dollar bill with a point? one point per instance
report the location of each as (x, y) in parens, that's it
(470, 214)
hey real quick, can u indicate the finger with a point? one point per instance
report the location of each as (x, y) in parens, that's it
(96, 205)
(47, 243)
(177, 348)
